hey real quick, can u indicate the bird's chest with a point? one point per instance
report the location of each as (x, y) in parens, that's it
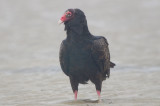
(80, 54)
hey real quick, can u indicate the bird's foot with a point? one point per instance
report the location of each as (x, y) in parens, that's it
(99, 99)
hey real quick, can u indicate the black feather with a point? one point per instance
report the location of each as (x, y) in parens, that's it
(84, 56)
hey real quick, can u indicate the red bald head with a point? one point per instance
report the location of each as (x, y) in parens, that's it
(68, 15)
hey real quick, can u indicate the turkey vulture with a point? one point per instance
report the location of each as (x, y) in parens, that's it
(82, 55)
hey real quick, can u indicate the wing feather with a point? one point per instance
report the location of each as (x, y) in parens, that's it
(101, 55)
(64, 57)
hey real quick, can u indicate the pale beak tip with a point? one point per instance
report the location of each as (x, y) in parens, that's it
(60, 22)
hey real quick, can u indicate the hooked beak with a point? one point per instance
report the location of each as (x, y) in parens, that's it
(63, 19)
(60, 22)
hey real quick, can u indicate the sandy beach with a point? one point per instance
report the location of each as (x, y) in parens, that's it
(30, 74)
(124, 88)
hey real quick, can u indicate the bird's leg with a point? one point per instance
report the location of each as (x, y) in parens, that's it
(98, 85)
(75, 94)
(74, 85)
(99, 95)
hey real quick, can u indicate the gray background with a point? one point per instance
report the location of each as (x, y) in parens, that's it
(30, 36)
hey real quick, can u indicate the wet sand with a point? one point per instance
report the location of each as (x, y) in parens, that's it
(123, 88)
(30, 37)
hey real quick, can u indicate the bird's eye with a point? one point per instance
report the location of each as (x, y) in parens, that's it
(68, 14)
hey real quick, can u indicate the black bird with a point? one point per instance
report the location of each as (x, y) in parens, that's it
(83, 56)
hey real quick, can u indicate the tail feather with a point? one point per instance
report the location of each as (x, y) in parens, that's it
(112, 64)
